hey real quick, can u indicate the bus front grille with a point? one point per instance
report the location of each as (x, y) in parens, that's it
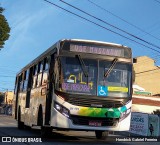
(78, 101)
(83, 120)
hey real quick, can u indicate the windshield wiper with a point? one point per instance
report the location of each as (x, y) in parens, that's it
(111, 67)
(82, 65)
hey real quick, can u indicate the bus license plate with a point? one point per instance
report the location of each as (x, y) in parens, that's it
(95, 123)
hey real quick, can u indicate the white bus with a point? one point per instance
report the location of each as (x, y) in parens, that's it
(76, 85)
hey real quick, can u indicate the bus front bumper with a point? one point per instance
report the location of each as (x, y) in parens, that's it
(60, 121)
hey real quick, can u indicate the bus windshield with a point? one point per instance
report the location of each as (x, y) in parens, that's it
(74, 79)
(117, 82)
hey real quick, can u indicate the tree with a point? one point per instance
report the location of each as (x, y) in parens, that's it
(1, 98)
(157, 112)
(4, 29)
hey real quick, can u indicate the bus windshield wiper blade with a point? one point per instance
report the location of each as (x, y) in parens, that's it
(111, 67)
(82, 65)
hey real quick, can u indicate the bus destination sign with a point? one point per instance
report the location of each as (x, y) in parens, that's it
(98, 50)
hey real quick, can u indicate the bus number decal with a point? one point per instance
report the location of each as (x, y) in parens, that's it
(74, 108)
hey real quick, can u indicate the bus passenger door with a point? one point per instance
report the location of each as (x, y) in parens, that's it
(17, 87)
(49, 90)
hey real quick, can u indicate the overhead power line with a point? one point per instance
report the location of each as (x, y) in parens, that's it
(148, 71)
(136, 37)
(7, 88)
(122, 19)
(146, 74)
(7, 76)
(103, 27)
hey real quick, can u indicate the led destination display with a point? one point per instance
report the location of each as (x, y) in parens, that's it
(103, 50)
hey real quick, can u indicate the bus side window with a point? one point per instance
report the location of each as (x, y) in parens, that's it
(35, 76)
(45, 72)
(25, 82)
(16, 85)
(40, 69)
(21, 82)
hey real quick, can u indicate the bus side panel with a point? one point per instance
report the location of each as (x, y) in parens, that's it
(125, 124)
(42, 100)
(27, 117)
(14, 106)
(29, 113)
(33, 107)
(37, 98)
(21, 103)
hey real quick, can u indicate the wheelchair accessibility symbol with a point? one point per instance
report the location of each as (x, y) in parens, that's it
(102, 91)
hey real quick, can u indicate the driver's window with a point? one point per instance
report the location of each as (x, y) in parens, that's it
(72, 73)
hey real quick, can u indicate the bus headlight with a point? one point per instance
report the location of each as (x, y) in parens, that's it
(61, 109)
(58, 107)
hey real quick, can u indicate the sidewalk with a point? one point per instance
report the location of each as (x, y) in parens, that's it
(124, 133)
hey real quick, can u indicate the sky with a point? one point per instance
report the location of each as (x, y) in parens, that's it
(36, 25)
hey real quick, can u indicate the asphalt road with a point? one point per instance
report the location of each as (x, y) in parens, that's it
(8, 128)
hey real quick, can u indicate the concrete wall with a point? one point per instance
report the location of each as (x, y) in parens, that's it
(8, 97)
(147, 75)
(144, 108)
(145, 104)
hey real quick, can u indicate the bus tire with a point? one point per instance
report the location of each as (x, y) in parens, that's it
(26, 127)
(20, 124)
(46, 131)
(43, 130)
(101, 134)
(40, 117)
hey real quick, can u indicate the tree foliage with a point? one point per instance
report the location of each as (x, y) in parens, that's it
(1, 98)
(4, 29)
(157, 112)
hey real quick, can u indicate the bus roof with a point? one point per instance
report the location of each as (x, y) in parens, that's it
(51, 49)
(94, 41)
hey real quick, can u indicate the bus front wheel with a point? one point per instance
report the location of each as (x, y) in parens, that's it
(44, 131)
(101, 134)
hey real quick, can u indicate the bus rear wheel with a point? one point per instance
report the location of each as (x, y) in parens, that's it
(27, 127)
(101, 134)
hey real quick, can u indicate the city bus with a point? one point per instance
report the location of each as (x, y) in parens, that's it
(76, 84)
